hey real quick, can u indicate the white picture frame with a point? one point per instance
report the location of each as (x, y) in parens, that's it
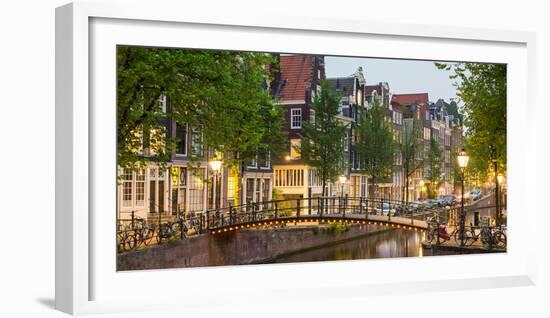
(85, 35)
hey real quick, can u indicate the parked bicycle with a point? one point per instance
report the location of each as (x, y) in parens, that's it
(489, 237)
(135, 235)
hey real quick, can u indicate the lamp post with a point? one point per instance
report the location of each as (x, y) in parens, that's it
(342, 180)
(216, 166)
(462, 163)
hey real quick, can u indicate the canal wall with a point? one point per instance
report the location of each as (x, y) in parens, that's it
(240, 247)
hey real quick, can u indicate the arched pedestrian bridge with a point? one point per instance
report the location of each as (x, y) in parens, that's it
(351, 210)
(136, 233)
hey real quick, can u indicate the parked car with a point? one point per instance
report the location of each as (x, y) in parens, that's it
(447, 200)
(475, 194)
(432, 203)
(385, 209)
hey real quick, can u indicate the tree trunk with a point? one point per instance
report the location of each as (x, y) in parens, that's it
(497, 205)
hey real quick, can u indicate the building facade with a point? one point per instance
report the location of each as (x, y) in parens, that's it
(352, 102)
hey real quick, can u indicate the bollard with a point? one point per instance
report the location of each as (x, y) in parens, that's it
(345, 205)
(133, 228)
(320, 207)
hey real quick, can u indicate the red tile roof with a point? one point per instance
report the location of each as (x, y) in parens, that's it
(408, 99)
(297, 70)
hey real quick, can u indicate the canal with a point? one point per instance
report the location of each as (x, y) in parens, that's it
(387, 244)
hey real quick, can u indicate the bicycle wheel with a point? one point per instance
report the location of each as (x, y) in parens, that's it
(500, 239)
(147, 236)
(130, 241)
(487, 239)
(469, 237)
(430, 235)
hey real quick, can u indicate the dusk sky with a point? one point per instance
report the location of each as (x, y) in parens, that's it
(403, 76)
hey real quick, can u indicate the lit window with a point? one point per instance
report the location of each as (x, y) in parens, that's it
(295, 148)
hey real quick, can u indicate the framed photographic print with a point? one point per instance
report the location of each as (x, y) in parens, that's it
(262, 153)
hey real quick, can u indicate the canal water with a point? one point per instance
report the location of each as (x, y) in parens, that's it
(387, 244)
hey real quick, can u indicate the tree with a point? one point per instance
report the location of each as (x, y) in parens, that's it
(322, 145)
(222, 95)
(452, 109)
(433, 160)
(375, 144)
(482, 89)
(411, 148)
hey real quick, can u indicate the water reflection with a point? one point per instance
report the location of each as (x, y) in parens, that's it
(394, 243)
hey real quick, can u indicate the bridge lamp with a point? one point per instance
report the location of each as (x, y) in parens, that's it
(342, 179)
(462, 163)
(216, 166)
(463, 159)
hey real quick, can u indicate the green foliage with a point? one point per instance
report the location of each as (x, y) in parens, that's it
(221, 94)
(323, 139)
(375, 144)
(434, 160)
(452, 109)
(409, 148)
(286, 208)
(338, 227)
(482, 89)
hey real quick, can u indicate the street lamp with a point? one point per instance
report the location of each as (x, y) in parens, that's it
(342, 180)
(216, 166)
(462, 163)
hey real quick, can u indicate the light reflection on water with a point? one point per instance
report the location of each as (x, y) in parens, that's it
(394, 243)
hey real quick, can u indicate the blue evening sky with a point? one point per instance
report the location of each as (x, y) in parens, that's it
(403, 76)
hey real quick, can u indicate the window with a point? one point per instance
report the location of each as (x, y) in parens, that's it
(231, 183)
(196, 191)
(253, 163)
(140, 187)
(296, 118)
(163, 102)
(363, 186)
(265, 192)
(427, 133)
(179, 187)
(181, 136)
(289, 178)
(127, 187)
(197, 142)
(249, 191)
(295, 148)
(346, 141)
(257, 195)
(264, 159)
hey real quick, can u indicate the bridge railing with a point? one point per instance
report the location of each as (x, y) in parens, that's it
(135, 233)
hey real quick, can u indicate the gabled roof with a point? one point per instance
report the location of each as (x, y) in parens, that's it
(296, 76)
(342, 84)
(409, 99)
(371, 88)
